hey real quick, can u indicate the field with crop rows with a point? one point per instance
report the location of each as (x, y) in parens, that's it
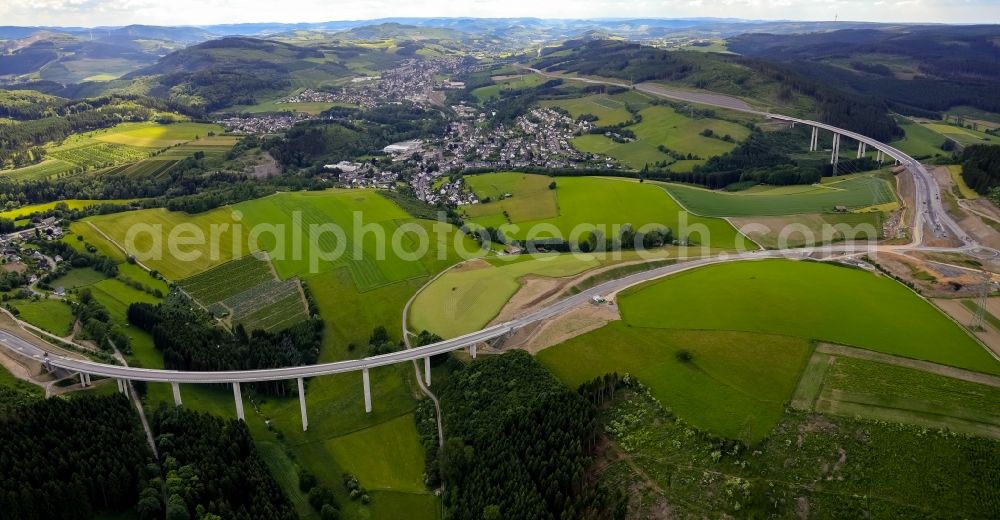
(99, 155)
(228, 279)
(270, 305)
(43, 170)
(248, 292)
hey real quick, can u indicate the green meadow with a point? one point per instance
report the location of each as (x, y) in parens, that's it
(469, 296)
(852, 191)
(610, 110)
(25, 211)
(143, 233)
(662, 125)
(735, 385)
(399, 465)
(280, 224)
(744, 357)
(155, 135)
(52, 316)
(963, 136)
(856, 387)
(585, 202)
(531, 198)
(514, 82)
(919, 140)
(807, 300)
(78, 278)
(120, 144)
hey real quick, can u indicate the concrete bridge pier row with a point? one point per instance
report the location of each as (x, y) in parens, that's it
(862, 149)
(427, 371)
(879, 157)
(176, 388)
(121, 386)
(368, 390)
(302, 404)
(814, 140)
(239, 402)
(472, 351)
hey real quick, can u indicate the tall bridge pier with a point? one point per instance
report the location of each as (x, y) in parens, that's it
(368, 390)
(835, 154)
(239, 401)
(302, 404)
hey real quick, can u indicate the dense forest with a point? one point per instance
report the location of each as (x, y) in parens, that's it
(981, 167)
(518, 444)
(189, 340)
(637, 63)
(229, 71)
(210, 466)
(954, 65)
(69, 459)
(87, 457)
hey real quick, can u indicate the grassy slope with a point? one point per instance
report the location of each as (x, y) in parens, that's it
(532, 199)
(590, 201)
(735, 386)
(808, 300)
(920, 140)
(465, 299)
(53, 316)
(854, 191)
(662, 125)
(25, 211)
(148, 228)
(610, 110)
(859, 387)
(155, 135)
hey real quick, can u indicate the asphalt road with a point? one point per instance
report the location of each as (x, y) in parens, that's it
(495, 331)
(928, 209)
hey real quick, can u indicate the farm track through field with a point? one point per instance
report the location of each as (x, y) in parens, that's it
(926, 366)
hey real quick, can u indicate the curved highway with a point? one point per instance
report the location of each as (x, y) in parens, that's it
(928, 208)
(492, 332)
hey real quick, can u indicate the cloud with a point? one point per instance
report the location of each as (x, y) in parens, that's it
(204, 12)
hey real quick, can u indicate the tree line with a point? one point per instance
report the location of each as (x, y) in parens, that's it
(981, 168)
(210, 470)
(518, 445)
(44, 119)
(72, 458)
(189, 340)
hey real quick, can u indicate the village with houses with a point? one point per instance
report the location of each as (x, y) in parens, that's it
(539, 138)
(20, 257)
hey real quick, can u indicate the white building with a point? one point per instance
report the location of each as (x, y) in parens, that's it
(344, 166)
(403, 147)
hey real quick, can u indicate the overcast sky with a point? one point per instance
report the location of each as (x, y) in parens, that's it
(204, 12)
